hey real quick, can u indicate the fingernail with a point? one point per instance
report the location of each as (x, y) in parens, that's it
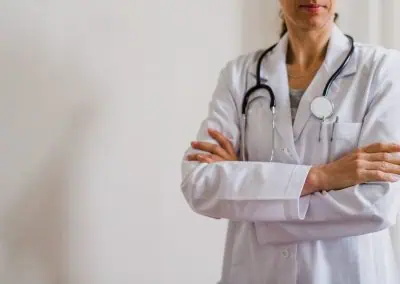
(394, 178)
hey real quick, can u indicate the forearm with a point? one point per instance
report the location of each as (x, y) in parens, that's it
(327, 219)
(245, 191)
(353, 211)
(313, 182)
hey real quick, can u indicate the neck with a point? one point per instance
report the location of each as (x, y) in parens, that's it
(307, 48)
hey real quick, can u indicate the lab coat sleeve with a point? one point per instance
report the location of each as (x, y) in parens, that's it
(363, 208)
(240, 191)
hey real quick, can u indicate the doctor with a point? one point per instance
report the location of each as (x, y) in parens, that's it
(309, 186)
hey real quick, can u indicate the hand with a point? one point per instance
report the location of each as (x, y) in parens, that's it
(374, 163)
(223, 151)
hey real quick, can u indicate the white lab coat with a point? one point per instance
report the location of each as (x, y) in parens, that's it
(274, 236)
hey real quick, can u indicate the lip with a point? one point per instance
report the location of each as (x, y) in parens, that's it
(312, 8)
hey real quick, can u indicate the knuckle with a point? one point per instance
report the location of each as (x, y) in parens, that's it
(358, 155)
(383, 166)
(358, 163)
(359, 174)
(219, 139)
(380, 175)
(385, 156)
(224, 144)
(214, 148)
(381, 145)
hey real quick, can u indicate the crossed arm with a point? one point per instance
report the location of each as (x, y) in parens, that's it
(357, 194)
(373, 163)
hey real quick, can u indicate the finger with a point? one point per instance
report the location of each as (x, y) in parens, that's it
(192, 157)
(382, 157)
(216, 158)
(377, 176)
(383, 167)
(198, 158)
(205, 159)
(211, 158)
(381, 147)
(222, 140)
(211, 148)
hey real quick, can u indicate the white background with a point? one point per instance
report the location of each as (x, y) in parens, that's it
(98, 101)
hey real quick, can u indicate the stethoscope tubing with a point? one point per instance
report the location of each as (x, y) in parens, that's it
(260, 86)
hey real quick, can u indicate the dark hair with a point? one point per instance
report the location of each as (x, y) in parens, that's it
(284, 26)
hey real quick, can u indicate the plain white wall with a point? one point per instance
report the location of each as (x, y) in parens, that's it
(99, 100)
(193, 246)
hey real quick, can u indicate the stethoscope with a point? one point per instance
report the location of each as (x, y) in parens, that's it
(321, 107)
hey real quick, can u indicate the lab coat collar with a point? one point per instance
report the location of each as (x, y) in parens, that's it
(274, 73)
(338, 47)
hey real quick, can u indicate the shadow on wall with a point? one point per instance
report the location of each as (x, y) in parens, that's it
(43, 114)
(261, 24)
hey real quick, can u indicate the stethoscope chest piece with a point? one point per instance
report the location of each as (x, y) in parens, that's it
(322, 108)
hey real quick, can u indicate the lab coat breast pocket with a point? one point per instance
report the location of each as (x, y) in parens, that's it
(345, 139)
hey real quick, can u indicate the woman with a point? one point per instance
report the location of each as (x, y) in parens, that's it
(321, 211)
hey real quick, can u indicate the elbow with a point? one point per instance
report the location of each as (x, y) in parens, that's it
(200, 207)
(386, 208)
(198, 203)
(381, 203)
(210, 205)
(384, 215)
(381, 221)
(198, 191)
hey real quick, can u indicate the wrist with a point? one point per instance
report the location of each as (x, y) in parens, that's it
(314, 181)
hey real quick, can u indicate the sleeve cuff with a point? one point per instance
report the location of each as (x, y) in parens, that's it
(297, 208)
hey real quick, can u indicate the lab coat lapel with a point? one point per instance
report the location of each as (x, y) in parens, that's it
(338, 48)
(275, 74)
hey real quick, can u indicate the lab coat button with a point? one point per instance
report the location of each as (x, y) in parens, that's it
(285, 253)
(286, 151)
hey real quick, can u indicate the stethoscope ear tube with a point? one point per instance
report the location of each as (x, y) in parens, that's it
(260, 62)
(328, 108)
(341, 67)
(243, 139)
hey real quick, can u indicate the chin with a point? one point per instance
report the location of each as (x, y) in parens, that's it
(315, 24)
